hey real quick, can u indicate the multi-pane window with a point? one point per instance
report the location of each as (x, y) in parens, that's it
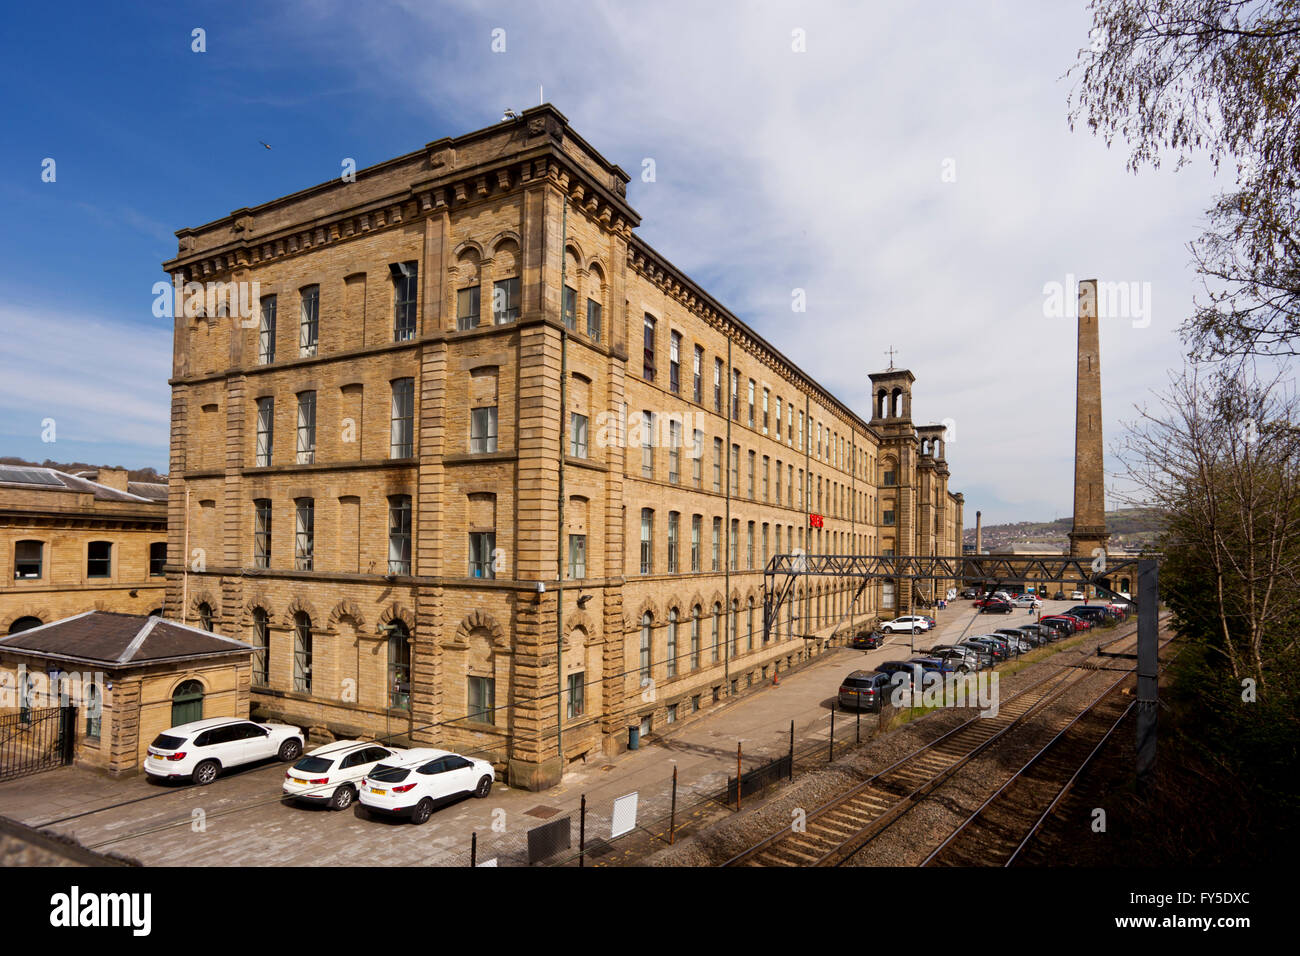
(887, 518)
(695, 637)
(889, 478)
(304, 537)
(767, 467)
(735, 469)
(789, 486)
(717, 386)
(749, 546)
(647, 540)
(399, 534)
(405, 293)
(266, 332)
(717, 541)
(647, 445)
(735, 544)
(481, 693)
(576, 702)
(751, 403)
(672, 642)
(717, 632)
(571, 308)
(577, 555)
(28, 559)
(593, 319)
(261, 532)
(483, 429)
(675, 362)
(302, 641)
(750, 476)
(648, 369)
(99, 559)
(309, 320)
(777, 421)
(789, 422)
(647, 640)
(765, 400)
(698, 371)
(401, 442)
(674, 521)
(717, 464)
(467, 303)
(697, 523)
(260, 642)
(697, 459)
(765, 542)
(779, 469)
(157, 558)
(306, 428)
(481, 546)
(505, 301)
(399, 667)
(735, 395)
(265, 430)
(577, 435)
(674, 450)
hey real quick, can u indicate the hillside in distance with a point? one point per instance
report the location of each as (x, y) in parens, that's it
(1130, 529)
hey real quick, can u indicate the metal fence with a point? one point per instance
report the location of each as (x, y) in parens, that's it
(36, 739)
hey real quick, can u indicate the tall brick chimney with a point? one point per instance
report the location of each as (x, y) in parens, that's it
(1089, 530)
(979, 532)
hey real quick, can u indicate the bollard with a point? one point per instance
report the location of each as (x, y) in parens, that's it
(672, 816)
(738, 777)
(473, 849)
(831, 753)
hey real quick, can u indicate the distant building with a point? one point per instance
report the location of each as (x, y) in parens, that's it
(74, 543)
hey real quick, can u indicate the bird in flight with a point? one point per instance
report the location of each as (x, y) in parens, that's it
(267, 145)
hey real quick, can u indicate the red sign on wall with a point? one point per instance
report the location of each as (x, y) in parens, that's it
(814, 521)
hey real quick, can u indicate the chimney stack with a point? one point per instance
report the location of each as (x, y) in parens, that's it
(979, 532)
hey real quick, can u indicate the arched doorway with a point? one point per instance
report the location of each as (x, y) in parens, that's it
(187, 702)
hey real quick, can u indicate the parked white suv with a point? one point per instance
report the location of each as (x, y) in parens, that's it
(915, 624)
(419, 779)
(331, 774)
(203, 748)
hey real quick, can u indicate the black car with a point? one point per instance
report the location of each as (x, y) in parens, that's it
(997, 648)
(867, 642)
(864, 690)
(898, 667)
(997, 607)
(970, 593)
(1092, 613)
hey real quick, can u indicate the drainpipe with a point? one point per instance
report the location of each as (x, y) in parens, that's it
(726, 532)
(559, 533)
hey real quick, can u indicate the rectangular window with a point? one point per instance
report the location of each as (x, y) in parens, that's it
(800, 442)
(262, 533)
(735, 395)
(483, 429)
(751, 403)
(401, 434)
(675, 363)
(887, 519)
(482, 696)
(648, 370)
(647, 540)
(779, 469)
(571, 308)
(157, 558)
(697, 459)
(577, 435)
(734, 551)
(697, 522)
(308, 323)
(674, 520)
(889, 480)
(735, 469)
(99, 559)
(647, 445)
(576, 704)
(717, 464)
(717, 386)
(765, 543)
(698, 371)
(767, 463)
(789, 486)
(481, 546)
(765, 412)
(717, 542)
(467, 302)
(789, 423)
(749, 546)
(304, 538)
(777, 422)
(306, 428)
(266, 332)
(265, 430)
(577, 555)
(674, 450)
(593, 320)
(505, 301)
(750, 476)
(405, 294)
(399, 534)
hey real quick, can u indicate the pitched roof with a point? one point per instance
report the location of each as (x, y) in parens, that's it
(111, 639)
(50, 479)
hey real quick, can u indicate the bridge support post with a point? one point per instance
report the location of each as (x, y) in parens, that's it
(1148, 667)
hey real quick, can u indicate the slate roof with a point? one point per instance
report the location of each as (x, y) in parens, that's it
(49, 479)
(108, 638)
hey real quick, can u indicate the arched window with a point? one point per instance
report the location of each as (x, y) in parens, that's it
(261, 642)
(24, 624)
(695, 637)
(187, 703)
(302, 652)
(672, 642)
(399, 666)
(646, 621)
(205, 616)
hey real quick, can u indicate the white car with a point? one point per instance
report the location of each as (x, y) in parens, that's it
(203, 748)
(331, 774)
(1027, 600)
(1076, 596)
(412, 785)
(915, 624)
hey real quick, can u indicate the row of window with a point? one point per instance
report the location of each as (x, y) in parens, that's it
(836, 542)
(29, 559)
(401, 428)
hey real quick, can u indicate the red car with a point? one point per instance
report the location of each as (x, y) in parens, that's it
(1070, 623)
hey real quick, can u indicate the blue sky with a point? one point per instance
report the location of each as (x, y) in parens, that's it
(822, 170)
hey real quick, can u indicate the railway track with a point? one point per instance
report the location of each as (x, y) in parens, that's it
(838, 829)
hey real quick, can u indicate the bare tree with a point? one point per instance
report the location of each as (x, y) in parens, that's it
(1221, 455)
